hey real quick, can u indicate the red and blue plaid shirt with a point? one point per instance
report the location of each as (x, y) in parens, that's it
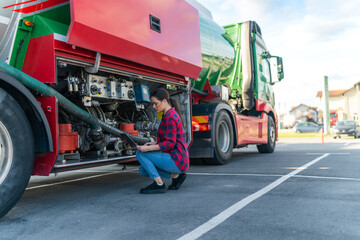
(171, 139)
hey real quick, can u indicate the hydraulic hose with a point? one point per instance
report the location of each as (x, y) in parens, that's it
(95, 123)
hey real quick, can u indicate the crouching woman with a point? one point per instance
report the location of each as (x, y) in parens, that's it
(169, 156)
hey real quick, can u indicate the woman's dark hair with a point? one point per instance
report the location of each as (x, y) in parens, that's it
(161, 94)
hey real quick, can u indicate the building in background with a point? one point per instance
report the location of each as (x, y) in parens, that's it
(300, 113)
(305, 113)
(345, 103)
(352, 103)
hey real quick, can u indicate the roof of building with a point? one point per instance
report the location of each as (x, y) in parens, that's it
(358, 83)
(293, 108)
(332, 93)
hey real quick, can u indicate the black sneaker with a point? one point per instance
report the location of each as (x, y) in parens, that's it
(153, 188)
(176, 182)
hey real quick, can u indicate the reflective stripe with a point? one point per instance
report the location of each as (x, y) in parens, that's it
(200, 119)
(200, 127)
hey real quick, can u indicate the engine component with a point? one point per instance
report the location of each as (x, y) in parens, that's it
(68, 140)
(103, 87)
(146, 126)
(142, 93)
(129, 128)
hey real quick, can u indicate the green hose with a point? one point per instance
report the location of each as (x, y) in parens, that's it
(65, 104)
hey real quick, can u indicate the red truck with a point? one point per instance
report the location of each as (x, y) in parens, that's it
(76, 78)
(333, 117)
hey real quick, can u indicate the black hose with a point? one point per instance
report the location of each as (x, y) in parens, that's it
(68, 106)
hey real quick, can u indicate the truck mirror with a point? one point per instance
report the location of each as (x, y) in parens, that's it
(280, 68)
(277, 70)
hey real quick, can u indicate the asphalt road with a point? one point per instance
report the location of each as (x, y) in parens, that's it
(305, 190)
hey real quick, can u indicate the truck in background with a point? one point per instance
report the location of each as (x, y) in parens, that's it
(333, 117)
(75, 84)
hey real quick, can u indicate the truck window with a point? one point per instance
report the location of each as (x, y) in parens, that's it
(266, 69)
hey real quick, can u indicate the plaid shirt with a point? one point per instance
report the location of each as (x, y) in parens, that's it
(171, 139)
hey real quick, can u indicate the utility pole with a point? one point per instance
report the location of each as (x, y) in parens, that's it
(326, 114)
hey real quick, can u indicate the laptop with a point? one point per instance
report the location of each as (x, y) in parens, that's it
(129, 140)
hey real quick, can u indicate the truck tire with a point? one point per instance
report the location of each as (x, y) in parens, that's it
(224, 140)
(269, 147)
(16, 152)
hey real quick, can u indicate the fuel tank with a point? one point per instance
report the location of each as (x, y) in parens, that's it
(181, 38)
(217, 50)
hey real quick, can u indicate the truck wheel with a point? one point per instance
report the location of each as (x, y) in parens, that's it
(270, 146)
(16, 152)
(224, 140)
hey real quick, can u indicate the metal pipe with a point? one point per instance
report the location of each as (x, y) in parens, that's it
(194, 90)
(66, 105)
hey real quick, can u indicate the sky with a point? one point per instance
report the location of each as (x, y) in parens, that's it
(314, 37)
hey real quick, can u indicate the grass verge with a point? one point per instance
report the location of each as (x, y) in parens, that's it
(298, 135)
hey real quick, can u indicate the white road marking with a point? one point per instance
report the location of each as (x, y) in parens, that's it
(282, 144)
(221, 217)
(236, 174)
(331, 178)
(75, 180)
(331, 153)
(272, 175)
(311, 148)
(347, 144)
(4, 20)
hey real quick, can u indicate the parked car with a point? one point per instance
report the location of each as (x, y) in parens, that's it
(306, 127)
(347, 127)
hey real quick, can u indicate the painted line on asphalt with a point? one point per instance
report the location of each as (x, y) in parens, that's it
(282, 144)
(331, 153)
(272, 175)
(75, 180)
(347, 144)
(236, 174)
(221, 217)
(330, 178)
(4, 20)
(311, 148)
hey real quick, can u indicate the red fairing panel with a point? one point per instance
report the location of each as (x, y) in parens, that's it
(44, 162)
(262, 106)
(121, 28)
(251, 130)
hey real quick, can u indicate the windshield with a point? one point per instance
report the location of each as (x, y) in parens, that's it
(346, 123)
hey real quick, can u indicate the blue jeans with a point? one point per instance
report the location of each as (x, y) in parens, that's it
(156, 163)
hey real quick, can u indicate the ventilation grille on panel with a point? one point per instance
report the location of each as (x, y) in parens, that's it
(155, 24)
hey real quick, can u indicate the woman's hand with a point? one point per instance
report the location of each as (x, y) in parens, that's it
(150, 143)
(143, 148)
(148, 147)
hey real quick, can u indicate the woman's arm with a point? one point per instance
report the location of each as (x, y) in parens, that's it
(150, 143)
(148, 148)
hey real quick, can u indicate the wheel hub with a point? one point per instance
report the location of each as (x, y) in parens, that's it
(224, 136)
(6, 152)
(272, 135)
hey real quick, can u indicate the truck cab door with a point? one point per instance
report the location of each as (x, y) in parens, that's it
(263, 89)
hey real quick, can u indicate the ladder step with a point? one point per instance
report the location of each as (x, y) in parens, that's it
(86, 163)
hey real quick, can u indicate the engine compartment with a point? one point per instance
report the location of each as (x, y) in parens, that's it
(121, 101)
